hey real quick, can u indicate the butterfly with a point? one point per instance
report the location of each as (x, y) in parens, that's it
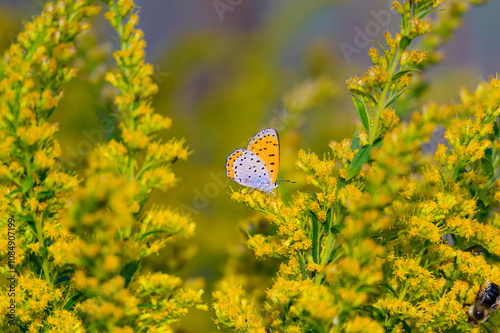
(258, 165)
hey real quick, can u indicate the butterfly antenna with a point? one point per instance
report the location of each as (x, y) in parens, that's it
(286, 181)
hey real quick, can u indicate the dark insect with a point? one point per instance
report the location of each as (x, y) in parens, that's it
(487, 301)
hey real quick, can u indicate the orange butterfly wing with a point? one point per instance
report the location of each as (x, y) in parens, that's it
(266, 145)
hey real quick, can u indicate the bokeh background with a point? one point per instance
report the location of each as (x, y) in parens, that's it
(224, 74)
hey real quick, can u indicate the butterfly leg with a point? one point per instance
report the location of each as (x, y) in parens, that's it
(270, 193)
(253, 188)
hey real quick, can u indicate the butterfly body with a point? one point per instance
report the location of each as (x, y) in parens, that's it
(258, 165)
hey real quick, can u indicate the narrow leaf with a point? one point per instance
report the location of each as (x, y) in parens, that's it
(397, 96)
(406, 327)
(336, 229)
(328, 219)
(401, 73)
(44, 194)
(29, 219)
(313, 194)
(494, 325)
(26, 218)
(315, 240)
(27, 184)
(303, 268)
(334, 252)
(361, 157)
(486, 328)
(394, 293)
(360, 90)
(458, 170)
(152, 232)
(72, 301)
(362, 112)
(355, 143)
(383, 50)
(372, 309)
(129, 270)
(424, 14)
(65, 272)
(404, 43)
(487, 167)
(62, 279)
(19, 190)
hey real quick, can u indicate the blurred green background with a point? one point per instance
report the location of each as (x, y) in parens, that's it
(223, 74)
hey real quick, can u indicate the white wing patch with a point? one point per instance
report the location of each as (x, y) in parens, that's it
(247, 169)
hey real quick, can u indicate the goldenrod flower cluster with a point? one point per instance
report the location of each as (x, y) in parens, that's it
(106, 214)
(387, 237)
(80, 242)
(34, 188)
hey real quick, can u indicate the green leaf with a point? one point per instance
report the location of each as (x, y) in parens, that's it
(44, 194)
(403, 22)
(486, 328)
(401, 73)
(458, 170)
(129, 270)
(49, 112)
(145, 305)
(378, 142)
(30, 220)
(27, 184)
(487, 167)
(494, 325)
(372, 309)
(424, 14)
(342, 317)
(62, 279)
(341, 182)
(383, 50)
(397, 96)
(360, 90)
(337, 229)
(361, 108)
(151, 233)
(355, 143)
(406, 327)
(27, 218)
(361, 157)
(34, 263)
(315, 237)
(19, 190)
(404, 43)
(480, 204)
(65, 272)
(334, 252)
(390, 289)
(313, 194)
(303, 268)
(328, 219)
(72, 301)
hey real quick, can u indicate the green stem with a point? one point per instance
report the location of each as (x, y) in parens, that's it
(330, 242)
(303, 266)
(382, 98)
(38, 222)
